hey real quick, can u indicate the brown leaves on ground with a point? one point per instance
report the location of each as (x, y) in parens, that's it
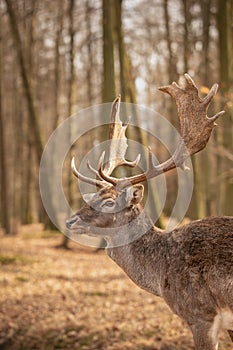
(78, 299)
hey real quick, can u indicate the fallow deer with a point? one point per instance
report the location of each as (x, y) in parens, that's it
(190, 267)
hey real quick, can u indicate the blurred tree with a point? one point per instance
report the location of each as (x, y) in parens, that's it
(24, 156)
(206, 8)
(171, 63)
(170, 106)
(4, 185)
(186, 33)
(57, 58)
(224, 20)
(200, 161)
(50, 50)
(30, 97)
(26, 81)
(108, 52)
(70, 99)
(89, 74)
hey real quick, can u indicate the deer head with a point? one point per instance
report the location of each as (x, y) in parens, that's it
(108, 208)
(118, 201)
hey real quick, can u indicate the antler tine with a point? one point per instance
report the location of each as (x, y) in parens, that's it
(100, 162)
(95, 172)
(106, 177)
(206, 100)
(84, 178)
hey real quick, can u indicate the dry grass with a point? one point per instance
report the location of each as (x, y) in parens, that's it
(78, 299)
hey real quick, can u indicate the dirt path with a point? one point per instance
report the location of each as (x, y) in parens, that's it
(78, 300)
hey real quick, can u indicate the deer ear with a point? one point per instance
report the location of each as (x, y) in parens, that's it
(134, 194)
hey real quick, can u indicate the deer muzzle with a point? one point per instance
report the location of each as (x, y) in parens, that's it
(74, 223)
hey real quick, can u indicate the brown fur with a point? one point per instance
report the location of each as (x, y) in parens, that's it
(191, 267)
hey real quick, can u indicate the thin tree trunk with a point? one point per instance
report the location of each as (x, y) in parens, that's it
(5, 217)
(71, 86)
(25, 138)
(200, 195)
(206, 8)
(34, 125)
(89, 53)
(170, 107)
(186, 35)
(26, 216)
(208, 159)
(108, 52)
(202, 160)
(4, 184)
(226, 80)
(171, 66)
(70, 105)
(57, 65)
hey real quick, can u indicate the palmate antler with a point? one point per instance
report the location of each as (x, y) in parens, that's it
(195, 131)
(117, 150)
(118, 142)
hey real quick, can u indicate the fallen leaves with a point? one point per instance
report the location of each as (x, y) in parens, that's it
(80, 300)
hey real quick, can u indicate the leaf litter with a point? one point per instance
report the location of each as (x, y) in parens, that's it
(78, 299)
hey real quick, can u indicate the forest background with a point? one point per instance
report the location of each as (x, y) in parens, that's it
(58, 57)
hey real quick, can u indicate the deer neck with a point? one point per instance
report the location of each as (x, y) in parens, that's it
(131, 250)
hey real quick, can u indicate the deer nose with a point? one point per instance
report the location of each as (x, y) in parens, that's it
(70, 222)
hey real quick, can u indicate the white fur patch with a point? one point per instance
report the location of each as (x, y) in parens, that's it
(223, 320)
(227, 319)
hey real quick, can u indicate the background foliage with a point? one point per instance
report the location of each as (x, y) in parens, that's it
(57, 57)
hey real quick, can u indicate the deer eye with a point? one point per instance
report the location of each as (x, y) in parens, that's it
(109, 204)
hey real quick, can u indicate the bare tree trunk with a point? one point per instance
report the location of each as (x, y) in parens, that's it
(121, 47)
(108, 52)
(26, 210)
(70, 105)
(202, 160)
(186, 35)
(208, 159)
(226, 79)
(57, 65)
(4, 185)
(5, 219)
(89, 52)
(25, 138)
(171, 66)
(26, 81)
(206, 8)
(200, 193)
(172, 76)
(32, 111)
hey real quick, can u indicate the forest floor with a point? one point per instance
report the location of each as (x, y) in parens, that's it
(78, 299)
